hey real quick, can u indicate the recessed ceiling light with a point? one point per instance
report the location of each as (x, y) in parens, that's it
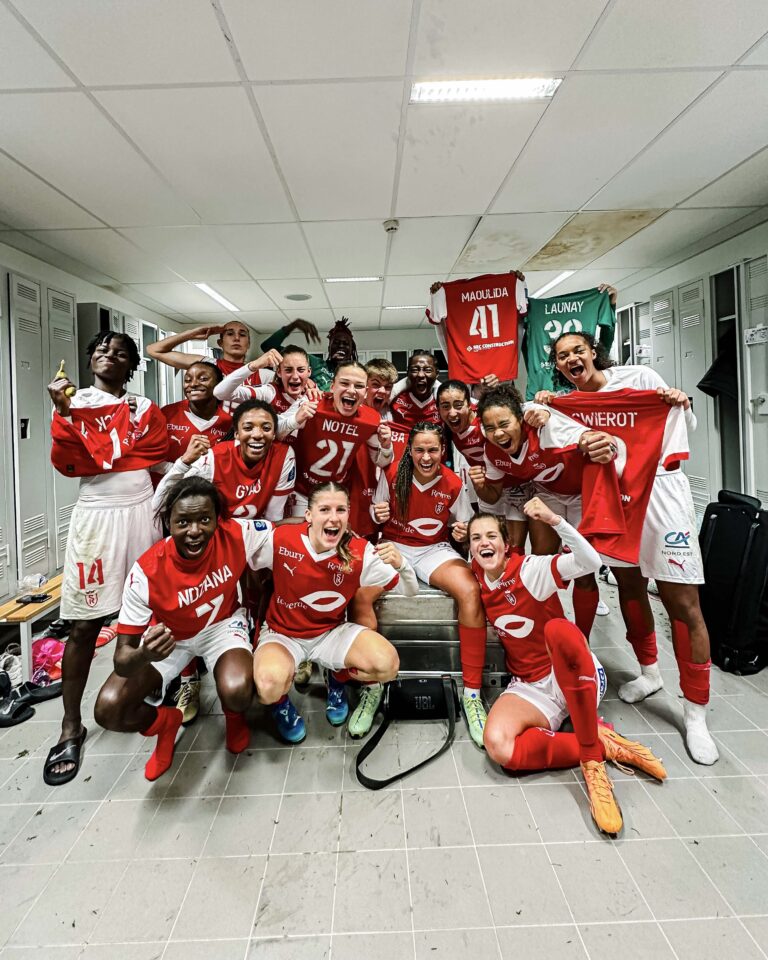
(553, 283)
(215, 295)
(298, 296)
(463, 91)
(352, 279)
(407, 306)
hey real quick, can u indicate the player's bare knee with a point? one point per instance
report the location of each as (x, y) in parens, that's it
(271, 685)
(108, 710)
(385, 664)
(235, 692)
(498, 743)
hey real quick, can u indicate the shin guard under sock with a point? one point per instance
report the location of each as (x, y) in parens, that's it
(640, 634)
(585, 608)
(165, 726)
(539, 749)
(575, 674)
(472, 641)
(238, 736)
(694, 677)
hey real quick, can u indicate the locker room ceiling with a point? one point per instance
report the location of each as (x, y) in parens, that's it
(258, 146)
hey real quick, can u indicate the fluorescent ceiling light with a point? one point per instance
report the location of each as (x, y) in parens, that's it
(407, 306)
(352, 279)
(462, 91)
(215, 295)
(553, 283)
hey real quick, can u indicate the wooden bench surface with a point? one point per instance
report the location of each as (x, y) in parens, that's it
(11, 612)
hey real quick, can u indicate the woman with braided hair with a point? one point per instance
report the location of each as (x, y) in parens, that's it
(422, 504)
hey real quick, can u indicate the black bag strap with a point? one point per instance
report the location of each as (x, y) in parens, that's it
(371, 744)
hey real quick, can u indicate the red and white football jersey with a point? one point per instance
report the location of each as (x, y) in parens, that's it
(471, 443)
(260, 376)
(312, 590)
(363, 479)
(431, 508)
(190, 595)
(408, 410)
(326, 445)
(518, 606)
(479, 320)
(183, 425)
(247, 492)
(560, 468)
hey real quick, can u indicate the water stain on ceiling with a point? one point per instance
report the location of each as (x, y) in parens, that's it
(587, 236)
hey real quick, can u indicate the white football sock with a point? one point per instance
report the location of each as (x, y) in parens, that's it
(643, 686)
(698, 739)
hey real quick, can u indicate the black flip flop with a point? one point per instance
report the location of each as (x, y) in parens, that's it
(36, 693)
(5, 684)
(15, 709)
(68, 751)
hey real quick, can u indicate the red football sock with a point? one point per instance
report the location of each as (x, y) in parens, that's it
(341, 676)
(472, 641)
(238, 734)
(575, 673)
(585, 608)
(640, 633)
(694, 677)
(165, 726)
(191, 668)
(539, 749)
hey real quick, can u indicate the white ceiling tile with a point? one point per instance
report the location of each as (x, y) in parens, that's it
(323, 319)
(268, 250)
(366, 38)
(759, 56)
(455, 157)
(747, 185)
(278, 290)
(336, 144)
(588, 235)
(348, 248)
(604, 120)
(23, 62)
(26, 202)
(405, 291)
(503, 242)
(349, 295)
(396, 319)
(208, 146)
(686, 33)
(496, 38)
(360, 318)
(36, 248)
(257, 319)
(138, 42)
(65, 139)
(666, 236)
(193, 252)
(181, 297)
(245, 294)
(429, 244)
(587, 279)
(109, 252)
(697, 148)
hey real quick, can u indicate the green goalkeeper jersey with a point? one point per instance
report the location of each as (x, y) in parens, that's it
(586, 311)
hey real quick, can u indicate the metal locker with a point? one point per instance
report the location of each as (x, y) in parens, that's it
(62, 343)
(754, 354)
(31, 419)
(643, 349)
(132, 327)
(663, 335)
(7, 516)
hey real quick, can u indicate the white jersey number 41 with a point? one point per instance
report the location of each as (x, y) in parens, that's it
(479, 325)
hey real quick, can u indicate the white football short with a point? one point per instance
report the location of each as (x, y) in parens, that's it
(511, 502)
(565, 505)
(103, 544)
(329, 649)
(230, 634)
(546, 695)
(669, 545)
(425, 560)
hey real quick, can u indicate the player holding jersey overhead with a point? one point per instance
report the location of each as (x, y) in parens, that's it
(421, 504)
(339, 425)
(254, 473)
(554, 675)
(669, 550)
(180, 601)
(199, 413)
(319, 567)
(292, 380)
(110, 440)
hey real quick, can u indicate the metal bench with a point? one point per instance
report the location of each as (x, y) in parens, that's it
(26, 614)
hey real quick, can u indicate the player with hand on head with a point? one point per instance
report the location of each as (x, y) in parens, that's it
(554, 674)
(233, 339)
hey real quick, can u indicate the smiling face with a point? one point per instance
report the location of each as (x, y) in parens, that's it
(192, 524)
(454, 409)
(294, 372)
(255, 431)
(328, 518)
(341, 345)
(502, 428)
(487, 546)
(199, 381)
(348, 389)
(111, 361)
(378, 393)
(575, 360)
(426, 450)
(234, 341)
(422, 374)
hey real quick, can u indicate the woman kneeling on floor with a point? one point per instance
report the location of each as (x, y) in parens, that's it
(181, 601)
(554, 674)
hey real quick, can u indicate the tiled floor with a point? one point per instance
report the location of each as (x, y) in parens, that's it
(279, 853)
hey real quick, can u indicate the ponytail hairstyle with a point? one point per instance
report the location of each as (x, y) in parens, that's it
(343, 551)
(404, 477)
(194, 486)
(502, 396)
(601, 362)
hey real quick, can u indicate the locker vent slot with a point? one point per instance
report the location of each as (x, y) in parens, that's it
(65, 515)
(762, 496)
(644, 334)
(2, 536)
(699, 490)
(758, 268)
(28, 326)
(36, 555)
(33, 524)
(664, 304)
(643, 309)
(692, 320)
(59, 303)
(63, 544)
(692, 293)
(26, 292)
(59, 333)
(662, 327)
(758, 303)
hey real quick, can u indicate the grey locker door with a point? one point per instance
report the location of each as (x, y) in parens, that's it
(7, 518)
(693, 329)
(755, 365)
(132, 327)
(663, 335)
(643, 352)
(62, 343)
(31, 424)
